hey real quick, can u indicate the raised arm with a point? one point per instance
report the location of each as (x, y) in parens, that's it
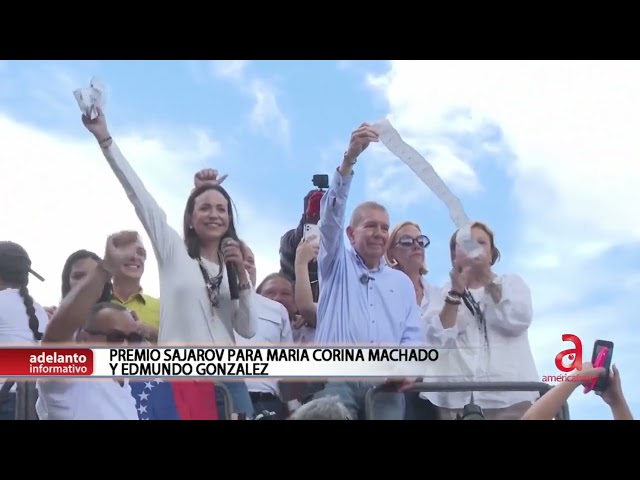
(306, 252)
(75, 307)
(334, 201)
(548, 406)
(511, 310)
(163, 238)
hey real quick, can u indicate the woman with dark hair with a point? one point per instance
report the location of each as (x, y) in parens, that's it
(78, 266)
(202, 301)
(22, 321)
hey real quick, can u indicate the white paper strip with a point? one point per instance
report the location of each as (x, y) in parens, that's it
(425, 172)
(92, 98)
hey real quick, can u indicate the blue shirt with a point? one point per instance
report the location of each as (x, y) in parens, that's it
(380, 311)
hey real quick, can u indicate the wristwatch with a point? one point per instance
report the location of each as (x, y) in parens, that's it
(245, 286)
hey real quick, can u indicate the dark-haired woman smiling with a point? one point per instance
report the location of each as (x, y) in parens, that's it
(196, 307)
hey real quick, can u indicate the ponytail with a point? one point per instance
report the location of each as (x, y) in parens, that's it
(34, 324)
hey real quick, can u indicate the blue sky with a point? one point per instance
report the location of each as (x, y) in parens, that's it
(544, 152)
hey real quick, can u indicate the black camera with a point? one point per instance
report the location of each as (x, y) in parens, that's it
(321, 181)
(471, 412)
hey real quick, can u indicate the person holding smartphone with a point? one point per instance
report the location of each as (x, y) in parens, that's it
(551, 402)
(307, 253)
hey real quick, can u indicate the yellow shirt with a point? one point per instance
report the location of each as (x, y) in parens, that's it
(147, 308)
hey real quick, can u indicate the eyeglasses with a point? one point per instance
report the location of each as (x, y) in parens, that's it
(116, 336)
(407, 241)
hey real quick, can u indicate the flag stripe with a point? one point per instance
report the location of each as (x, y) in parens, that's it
(195, 400)
(177, 400)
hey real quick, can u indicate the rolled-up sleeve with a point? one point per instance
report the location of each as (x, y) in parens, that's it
(513, 314)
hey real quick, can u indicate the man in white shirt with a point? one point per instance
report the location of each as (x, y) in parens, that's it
(273, 329)
(110, 323)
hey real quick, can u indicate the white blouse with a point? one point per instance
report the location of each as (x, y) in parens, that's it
(504, 355)
(186, 314)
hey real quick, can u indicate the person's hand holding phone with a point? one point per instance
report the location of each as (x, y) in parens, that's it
(613, 394)
(308, 249)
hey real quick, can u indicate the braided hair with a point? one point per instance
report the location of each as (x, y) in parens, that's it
(15, 266)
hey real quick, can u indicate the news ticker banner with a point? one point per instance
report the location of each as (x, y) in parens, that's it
(225, 362)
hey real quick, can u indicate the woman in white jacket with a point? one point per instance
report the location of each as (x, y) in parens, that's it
(197, 307)
(481, 320)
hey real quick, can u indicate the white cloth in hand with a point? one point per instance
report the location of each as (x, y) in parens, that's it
(91, 99)
(425, 172)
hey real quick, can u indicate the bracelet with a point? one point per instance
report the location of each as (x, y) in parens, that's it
(455, 294)
(355, 160)
(100, 142)
(245, 286)
(452, 300)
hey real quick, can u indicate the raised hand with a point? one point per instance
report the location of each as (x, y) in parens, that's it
(459, 278)
(116, 252)
(50, 311)
(208, 176)
(97, 126)
(298, 322)
(360, 140)
(613, 394)
(307, 250)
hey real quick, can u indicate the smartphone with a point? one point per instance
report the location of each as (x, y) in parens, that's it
(311, 229)
(603, 382)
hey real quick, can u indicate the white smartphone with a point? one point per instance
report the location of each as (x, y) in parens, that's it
(310, 230)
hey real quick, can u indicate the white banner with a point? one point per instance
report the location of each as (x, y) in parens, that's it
(279, 362)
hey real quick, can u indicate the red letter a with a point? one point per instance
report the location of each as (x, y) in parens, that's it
(574, 354)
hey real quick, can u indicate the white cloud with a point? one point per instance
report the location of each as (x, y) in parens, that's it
(230, 68)
(59, 195)
(572, 129)
(266, 115)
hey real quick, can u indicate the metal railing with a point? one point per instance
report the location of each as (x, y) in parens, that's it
(26, 397)
(539, 387)
(228, 402)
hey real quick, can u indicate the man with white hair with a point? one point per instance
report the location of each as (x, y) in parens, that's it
(325, 408)
(363, 302)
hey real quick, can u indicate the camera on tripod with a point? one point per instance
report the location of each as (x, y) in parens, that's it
(471, 411)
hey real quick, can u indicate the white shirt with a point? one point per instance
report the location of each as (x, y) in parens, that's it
(427, 292)
(186, 314)
(273, 329)
(505, 358)
(14, 321)
(85, 400)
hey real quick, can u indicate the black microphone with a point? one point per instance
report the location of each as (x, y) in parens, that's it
(232, 274)
(364, 279)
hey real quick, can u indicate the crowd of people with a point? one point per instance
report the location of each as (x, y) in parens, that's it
(373, 291)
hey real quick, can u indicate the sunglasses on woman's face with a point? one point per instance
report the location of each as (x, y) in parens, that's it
(421, 240)
(118, 337)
